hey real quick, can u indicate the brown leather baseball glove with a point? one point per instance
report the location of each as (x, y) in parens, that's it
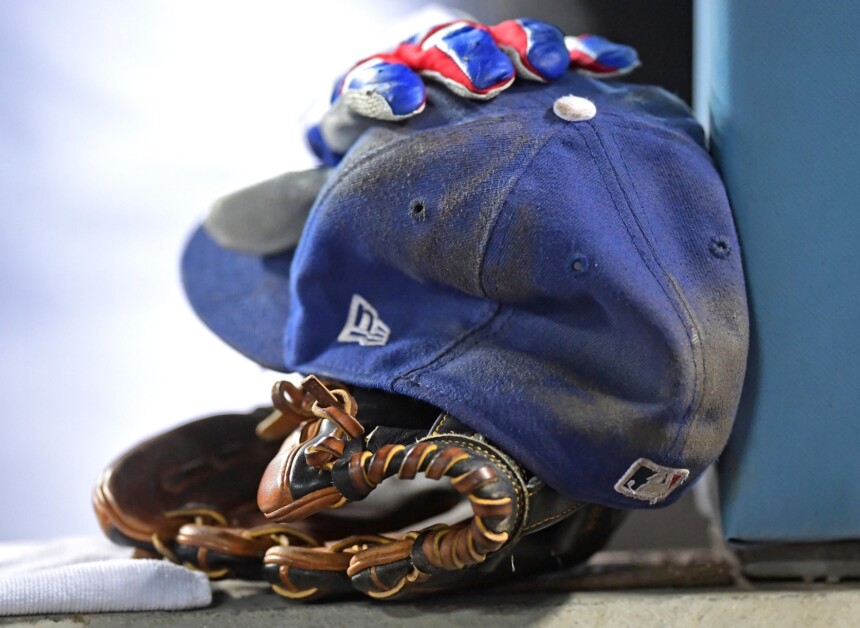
(220, 495)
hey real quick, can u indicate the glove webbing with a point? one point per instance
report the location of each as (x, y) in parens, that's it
(483, 474)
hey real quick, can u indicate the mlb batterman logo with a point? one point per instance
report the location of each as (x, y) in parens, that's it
(363, 325)
(648, 481)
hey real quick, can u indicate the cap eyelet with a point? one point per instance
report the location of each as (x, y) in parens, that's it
(579, 265)
(418, 209)
(719, 248)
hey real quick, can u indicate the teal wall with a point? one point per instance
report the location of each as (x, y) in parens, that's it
(778, 85)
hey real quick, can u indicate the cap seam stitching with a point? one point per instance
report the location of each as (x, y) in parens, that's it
(639, 125)
(459, 347)
(517, 179)
(696, 403)
(687, 333)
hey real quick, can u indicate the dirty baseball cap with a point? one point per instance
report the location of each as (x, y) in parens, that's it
(557, 267)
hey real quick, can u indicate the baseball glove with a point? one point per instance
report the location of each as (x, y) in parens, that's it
(188, 495)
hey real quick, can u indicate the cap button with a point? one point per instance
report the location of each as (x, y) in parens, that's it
(574, 108)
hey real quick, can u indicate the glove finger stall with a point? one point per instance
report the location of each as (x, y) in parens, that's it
(200, 472)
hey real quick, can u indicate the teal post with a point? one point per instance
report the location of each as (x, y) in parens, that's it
(778, 85)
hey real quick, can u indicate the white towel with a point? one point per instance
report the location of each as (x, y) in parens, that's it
(82, 575)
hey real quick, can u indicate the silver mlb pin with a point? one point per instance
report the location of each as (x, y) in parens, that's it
(648, 481)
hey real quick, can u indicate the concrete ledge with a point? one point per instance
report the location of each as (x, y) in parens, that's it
(659, 588)
(818, 605)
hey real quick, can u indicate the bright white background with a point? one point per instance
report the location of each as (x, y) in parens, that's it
(119, 123)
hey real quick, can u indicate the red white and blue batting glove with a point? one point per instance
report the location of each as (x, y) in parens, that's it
(597, 56)
(471, 59)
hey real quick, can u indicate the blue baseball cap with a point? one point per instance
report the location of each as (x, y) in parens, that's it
(557, 267)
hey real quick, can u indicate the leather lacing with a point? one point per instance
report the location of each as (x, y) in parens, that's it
(444, 547)
(336, 556)
(207, 526)
(207, 530)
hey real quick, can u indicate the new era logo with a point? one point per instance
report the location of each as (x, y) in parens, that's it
(363, 325)
(649, 481)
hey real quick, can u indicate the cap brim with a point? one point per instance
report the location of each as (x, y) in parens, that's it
(244, 299)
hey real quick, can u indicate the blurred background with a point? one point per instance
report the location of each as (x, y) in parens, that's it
(119, 124)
